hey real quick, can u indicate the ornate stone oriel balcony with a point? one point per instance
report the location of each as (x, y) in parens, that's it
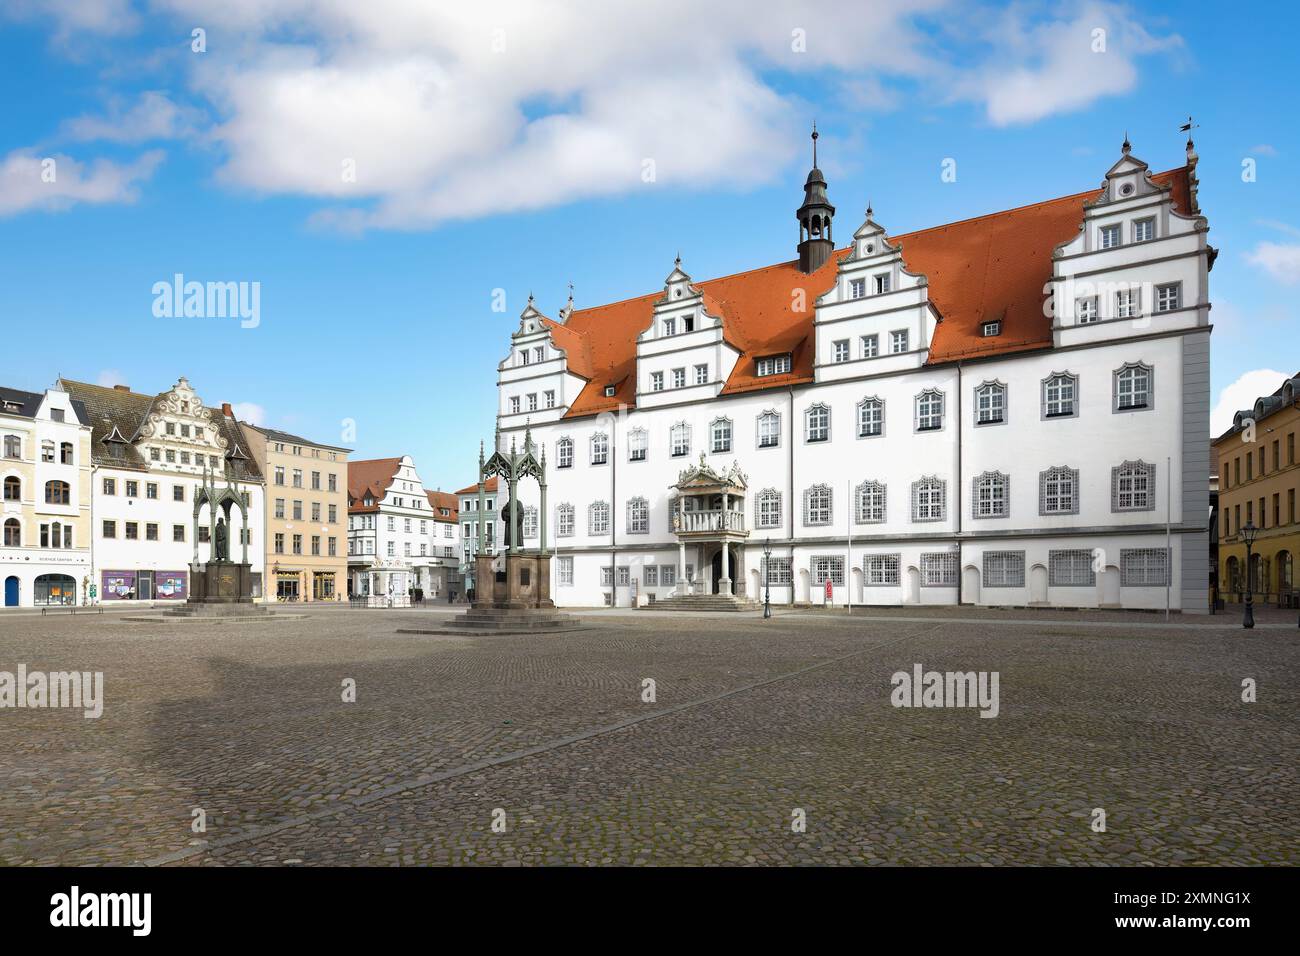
(711, 522)
(709, 506)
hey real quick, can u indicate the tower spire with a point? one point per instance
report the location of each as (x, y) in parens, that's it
(815, 244)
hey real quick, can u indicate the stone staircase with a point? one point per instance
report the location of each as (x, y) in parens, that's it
(703, 602)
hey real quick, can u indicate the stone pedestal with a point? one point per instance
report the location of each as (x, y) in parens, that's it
(221, 582)
(524, 583)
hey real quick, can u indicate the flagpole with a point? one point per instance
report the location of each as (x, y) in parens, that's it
(1169, 554)
(848, 557)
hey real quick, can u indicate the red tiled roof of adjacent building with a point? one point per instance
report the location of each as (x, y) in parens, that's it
(443, 499)
(989, 267)
(489, 485)
(372, 475)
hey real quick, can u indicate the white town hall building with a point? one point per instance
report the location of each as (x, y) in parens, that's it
(1007, 410)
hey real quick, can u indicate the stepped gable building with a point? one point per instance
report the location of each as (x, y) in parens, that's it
(149, 455)
(46, 508)
(1006, 410)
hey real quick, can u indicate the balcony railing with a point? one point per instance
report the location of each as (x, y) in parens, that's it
(696, 522)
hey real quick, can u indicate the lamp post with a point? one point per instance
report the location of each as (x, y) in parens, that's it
(767, 577)
(1248, 534)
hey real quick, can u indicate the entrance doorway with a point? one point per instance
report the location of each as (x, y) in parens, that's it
(733, 567)
(11, 591)
(286, 588)
(144, 586)
(55, 589)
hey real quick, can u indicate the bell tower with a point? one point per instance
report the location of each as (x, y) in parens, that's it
(815, 243)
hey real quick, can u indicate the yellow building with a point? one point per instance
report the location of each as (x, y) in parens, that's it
(46, 509)
(1258, 481)
(306, 515)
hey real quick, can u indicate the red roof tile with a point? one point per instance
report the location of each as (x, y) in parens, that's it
(443, 499)
(489, 485)
(989, 267)
(371, 475)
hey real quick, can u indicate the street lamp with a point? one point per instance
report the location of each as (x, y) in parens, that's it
(767, 577)
(1248, 534)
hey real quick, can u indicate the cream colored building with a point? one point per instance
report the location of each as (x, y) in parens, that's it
(45, 512)
(306, 515)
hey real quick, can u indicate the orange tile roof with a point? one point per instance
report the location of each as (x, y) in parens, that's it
(443, 499)
(489, 485)
(373, 475)
(988, 267)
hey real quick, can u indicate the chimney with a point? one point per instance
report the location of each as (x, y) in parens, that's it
(122, 388)
(227, 410)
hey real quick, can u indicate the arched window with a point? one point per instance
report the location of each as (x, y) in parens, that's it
(65, 453)
(990, 403)
(1285, 571)
(817, 505)
(57, 493)
(638, 516)
(680, 440)
(769, 430)
(767, 508)
(871, 417)
(599, 448)
(1234, 575)
(817, 423)
(720, 435)
(991, 495)
(13, 446)
(869, 503)
(1058, 491)
(564, 521)
(929, 500)
(1060, 390)
(13, 533)
(1133, 387)
(929, 410)
(598, 518)
(564, 453)
(13, 489)
(1132, 487)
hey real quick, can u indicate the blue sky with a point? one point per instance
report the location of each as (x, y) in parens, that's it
(508, 150)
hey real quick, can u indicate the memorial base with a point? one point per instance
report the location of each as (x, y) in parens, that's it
(513, 600)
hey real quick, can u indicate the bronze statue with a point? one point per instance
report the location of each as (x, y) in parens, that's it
(221, 545)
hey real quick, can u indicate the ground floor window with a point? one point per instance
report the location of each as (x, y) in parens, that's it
(828, 566)
(286, 587)
(1071, 569)
(779, 570)
(1143, 567)
(54, 589)
(881, 569)
(564, 571)
(939, 570)
(322, 585)
(1004, 569)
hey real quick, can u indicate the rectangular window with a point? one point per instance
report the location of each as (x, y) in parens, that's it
(1110, 236)
(670, 326)
(1144, 230)
(774, 365)
(882, 283)
(679, 378)
(656, 381)
(279, 508)
(564, 571)
(315, 481)
(776, 571)
(870, 345)
(132, 531)
(882, 570)
(532, 401)
(939, 570)
(827, 566)
(650, 576)
(549, 396)
(1071, 569)
(279, 474)
(857, 288)
(1143, 567)
(842, 350)
(1085, 310)
(1168, 296)
(514, 404)
(178, 492)
(898, 341)
(110, 529)
(132, 489)
(701, 375)
(110, 486)
(178, 532)
(1127, 302)
(636, 445)
(1004, 569)
(769, 430)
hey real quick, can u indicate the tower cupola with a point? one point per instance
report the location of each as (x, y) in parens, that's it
(815, 242)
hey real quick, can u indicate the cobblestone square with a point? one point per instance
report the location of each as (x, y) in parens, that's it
(752, 722)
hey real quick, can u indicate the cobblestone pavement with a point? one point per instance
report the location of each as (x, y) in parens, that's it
(752, 721)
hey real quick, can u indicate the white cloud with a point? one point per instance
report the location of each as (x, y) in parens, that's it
(1263, 149)
(1061, 65)
(109, 377)
(1280, 260)
(249, 412)
(1242, 394)
(449, 111)
(30, 181)
(76, 16)
(152, 116)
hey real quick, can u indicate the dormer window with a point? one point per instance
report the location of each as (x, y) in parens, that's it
(882, 283)
(990, 329)
(1110, 236)
(56, 414)
(774, 365)
(1144, 230)
(609, 391)
(857, 288)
